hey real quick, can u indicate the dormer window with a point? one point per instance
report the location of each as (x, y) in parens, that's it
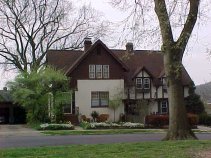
(139, 83)
(143, 83)
(146, 83)
(105, 71)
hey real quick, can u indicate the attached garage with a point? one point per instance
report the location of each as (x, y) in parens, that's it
(10, 113)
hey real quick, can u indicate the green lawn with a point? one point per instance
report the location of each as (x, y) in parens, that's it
(171, 149)
(108, 131)
(100, 132)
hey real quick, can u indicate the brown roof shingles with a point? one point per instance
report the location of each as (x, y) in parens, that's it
(63, 59)
(152, 61)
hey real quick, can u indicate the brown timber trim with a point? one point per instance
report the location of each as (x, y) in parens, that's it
(150, 87)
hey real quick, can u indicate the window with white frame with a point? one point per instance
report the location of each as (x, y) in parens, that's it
(105, 71)
(146, 83)
(98, 71)
(91, 71)
(139, 83)
(143, 83)
(164, 107)
(99, 99)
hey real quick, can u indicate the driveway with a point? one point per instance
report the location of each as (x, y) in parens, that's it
(17, 130)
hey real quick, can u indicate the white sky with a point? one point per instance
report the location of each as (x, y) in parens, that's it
(197, 61)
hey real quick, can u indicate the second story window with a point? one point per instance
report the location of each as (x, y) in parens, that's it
(98, 71)
(139, 83)
(143, 83)
(146, 83)
(91, 71)
(105, 71)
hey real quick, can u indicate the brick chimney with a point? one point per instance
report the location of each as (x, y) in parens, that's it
(87, 43)
(129, 47)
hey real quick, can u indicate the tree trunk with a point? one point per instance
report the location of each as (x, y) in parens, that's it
(179, 128)
(114, 114)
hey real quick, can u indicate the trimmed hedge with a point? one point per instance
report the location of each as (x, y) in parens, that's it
(47, 126)
(157, 120)
(163, 120)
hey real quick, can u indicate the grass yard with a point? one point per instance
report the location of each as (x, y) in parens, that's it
(171, 149)
(100, 132)
(109, 131)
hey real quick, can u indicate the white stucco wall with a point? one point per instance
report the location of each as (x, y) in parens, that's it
(153, 107)
(145, 74)
(83, 96)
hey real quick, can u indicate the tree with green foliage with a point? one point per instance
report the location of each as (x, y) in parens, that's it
(32, 90)
(193, 102)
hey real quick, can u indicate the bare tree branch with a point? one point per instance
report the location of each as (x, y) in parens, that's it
(189, 25)
(29, 28)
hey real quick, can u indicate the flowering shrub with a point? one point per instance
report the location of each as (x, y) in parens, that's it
(163, 120)
(52, 126)
(110, 125)
(132, 125)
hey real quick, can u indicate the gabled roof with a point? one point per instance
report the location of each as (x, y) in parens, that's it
(133, 63)
(84, 55)
(142, 68)
(63, 59)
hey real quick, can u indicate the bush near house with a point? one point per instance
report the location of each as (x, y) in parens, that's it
(163, 120)
(53, 126)
(111, 125)
(102, 118)
(205, 119)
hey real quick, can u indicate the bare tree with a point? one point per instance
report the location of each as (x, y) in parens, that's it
(29, 28)
(173, 46)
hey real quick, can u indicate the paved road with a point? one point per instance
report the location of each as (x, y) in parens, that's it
(31, 141)
(21, 136)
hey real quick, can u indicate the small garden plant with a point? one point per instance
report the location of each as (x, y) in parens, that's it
(111, 125)
(54, 126)
(94, 115)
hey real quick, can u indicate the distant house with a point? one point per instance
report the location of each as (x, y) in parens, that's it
(99, 73)
(10, 112)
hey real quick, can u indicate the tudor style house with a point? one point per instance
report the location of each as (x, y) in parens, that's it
(98, 74)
